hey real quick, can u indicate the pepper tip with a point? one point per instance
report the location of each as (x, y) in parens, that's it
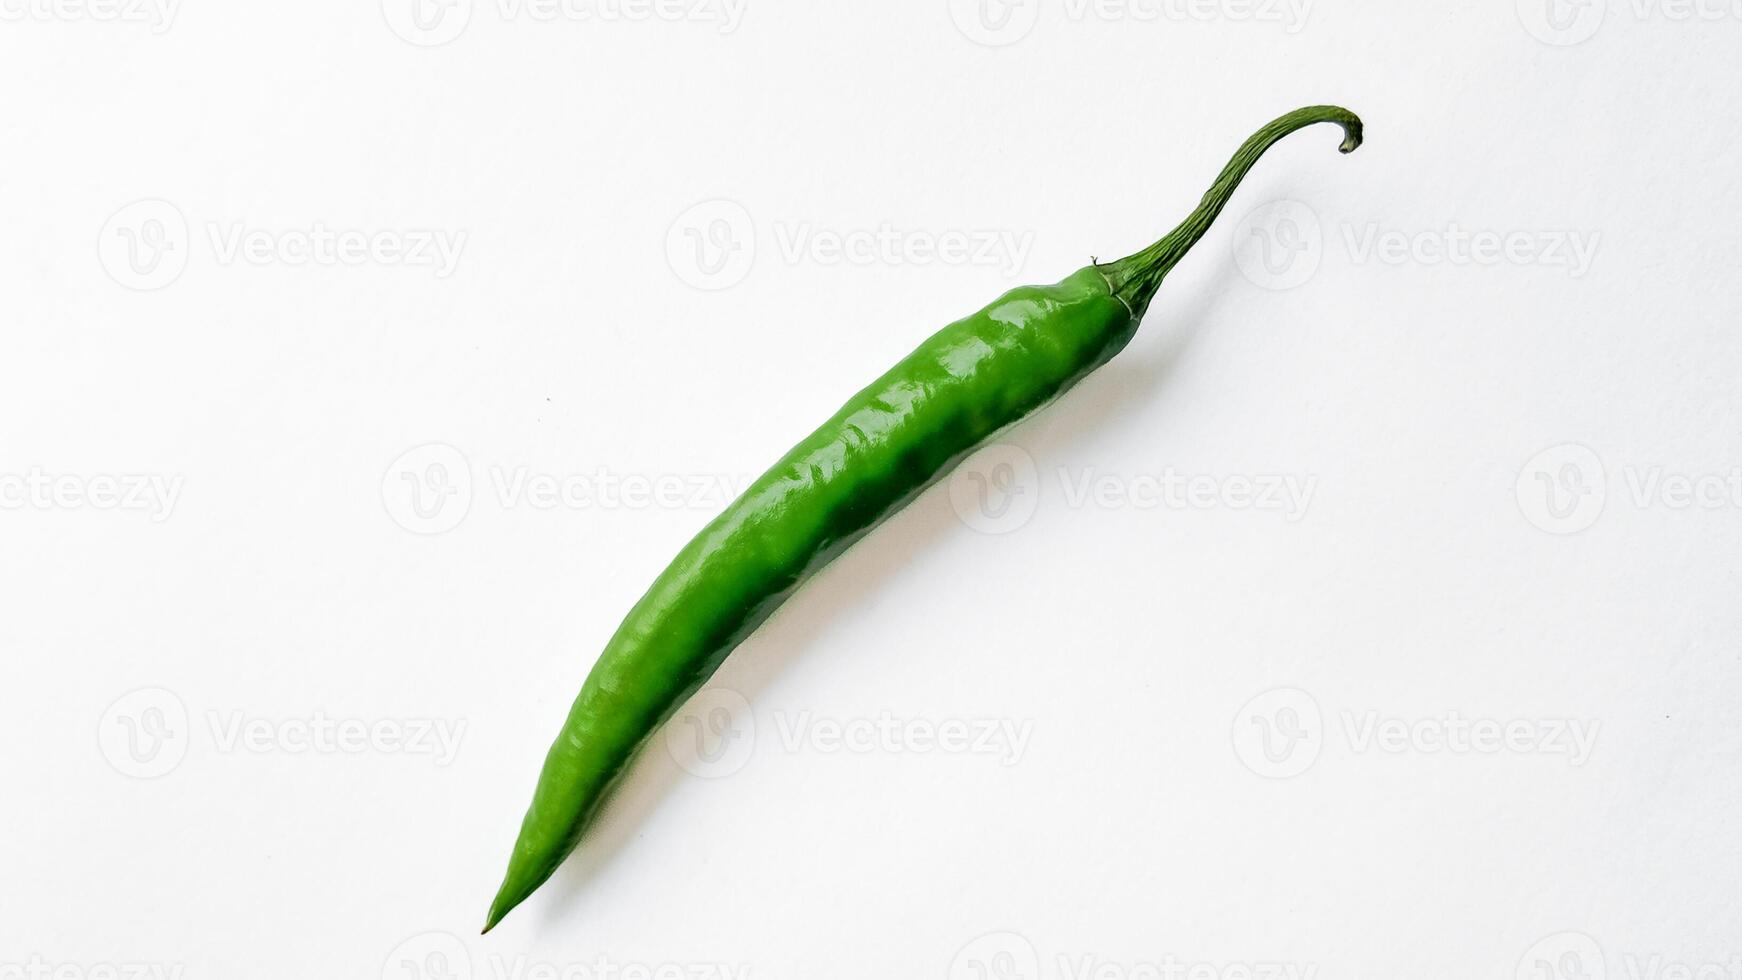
(1352, 134)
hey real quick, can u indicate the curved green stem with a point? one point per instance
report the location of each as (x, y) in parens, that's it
(1134, 278)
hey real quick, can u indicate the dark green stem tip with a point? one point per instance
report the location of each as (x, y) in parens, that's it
(1134, 278)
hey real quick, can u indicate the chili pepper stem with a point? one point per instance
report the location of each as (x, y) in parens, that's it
(1135, 278)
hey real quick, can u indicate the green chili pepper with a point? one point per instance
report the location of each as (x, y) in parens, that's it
(889, 442)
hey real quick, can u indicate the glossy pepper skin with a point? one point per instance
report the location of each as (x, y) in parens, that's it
(885, 445)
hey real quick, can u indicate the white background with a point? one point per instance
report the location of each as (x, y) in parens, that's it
(1496, 437)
